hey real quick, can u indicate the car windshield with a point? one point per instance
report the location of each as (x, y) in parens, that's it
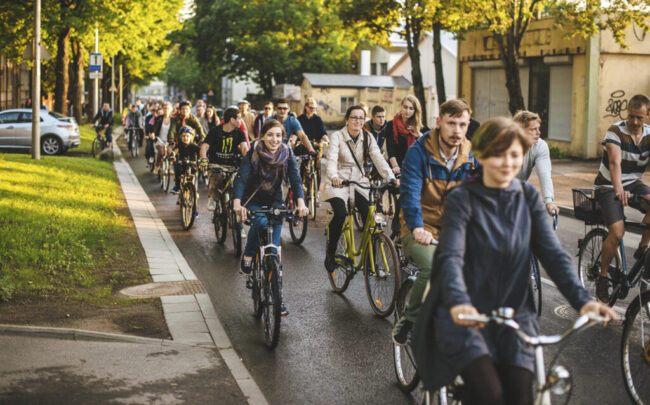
(57, 115)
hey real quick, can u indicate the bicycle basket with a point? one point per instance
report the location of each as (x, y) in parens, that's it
(585, 207)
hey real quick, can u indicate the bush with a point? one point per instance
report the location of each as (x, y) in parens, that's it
(555, 152)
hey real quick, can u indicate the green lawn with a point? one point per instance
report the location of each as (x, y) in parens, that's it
(64, 227)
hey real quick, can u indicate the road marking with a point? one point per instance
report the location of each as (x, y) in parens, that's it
(619, 310)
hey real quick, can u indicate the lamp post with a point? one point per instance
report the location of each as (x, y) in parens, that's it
(36, 83)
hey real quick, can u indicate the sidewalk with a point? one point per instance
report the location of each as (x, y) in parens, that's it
(55, 365)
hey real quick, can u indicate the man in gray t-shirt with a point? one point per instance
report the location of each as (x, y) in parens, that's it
(538, 157)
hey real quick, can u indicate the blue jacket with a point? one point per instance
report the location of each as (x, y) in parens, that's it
(245, 184)
(426, 180)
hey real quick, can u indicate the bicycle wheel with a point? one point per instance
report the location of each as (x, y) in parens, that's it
(589, 259)
(235, 227)
(386, 206)
(96, 147)
(383, 281)
(313, 182)
(403, 360)
(220, 221)
(188, 205)
(134, 145)
(272, 301)
(298, 229)
(256, 289)
(635, 349)
(342, 274)
(166, 176)
(536, 284)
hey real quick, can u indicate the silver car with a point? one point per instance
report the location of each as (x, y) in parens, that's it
(58, 132)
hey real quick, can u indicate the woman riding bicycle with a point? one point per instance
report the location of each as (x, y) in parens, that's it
(349, 150)
(491, 223)
(266, 166)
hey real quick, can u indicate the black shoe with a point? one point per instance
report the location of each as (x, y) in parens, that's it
(602, 289)
(246, 267)
(330, 263)
(402, 332)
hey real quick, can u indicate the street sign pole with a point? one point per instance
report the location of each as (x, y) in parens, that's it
(113, 84)
(36, 83)
(96, 92)
(121, 86)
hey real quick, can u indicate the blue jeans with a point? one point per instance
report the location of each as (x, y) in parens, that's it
(258, 228)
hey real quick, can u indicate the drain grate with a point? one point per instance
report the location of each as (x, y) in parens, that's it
(150, 290)
(567, 312)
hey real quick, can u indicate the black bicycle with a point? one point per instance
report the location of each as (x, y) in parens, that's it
(223, 211)
(266, 278)
(535, 274)
(187, 196)
(99, 143)
(133, 133)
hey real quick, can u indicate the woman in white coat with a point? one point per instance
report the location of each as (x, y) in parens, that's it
(342, 165)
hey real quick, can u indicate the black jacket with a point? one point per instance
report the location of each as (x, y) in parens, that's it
(104, 117)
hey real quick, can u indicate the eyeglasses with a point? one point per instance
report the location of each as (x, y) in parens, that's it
(357, 118)
(268, 108)
(282, 108)
(311, 107)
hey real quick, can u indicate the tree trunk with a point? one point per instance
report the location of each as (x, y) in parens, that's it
(77, 83)
(510, 57)
(437, 63)
(413, 30)
(62, 78)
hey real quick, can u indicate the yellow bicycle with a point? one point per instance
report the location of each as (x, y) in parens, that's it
(376, 255)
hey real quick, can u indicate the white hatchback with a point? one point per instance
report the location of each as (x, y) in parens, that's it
(58, 132)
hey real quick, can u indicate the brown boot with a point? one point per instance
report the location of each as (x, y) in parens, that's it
(602, 289)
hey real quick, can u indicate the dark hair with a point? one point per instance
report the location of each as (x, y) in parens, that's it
(366, 135)
(352, 108)
(455, 107)
(639, 101)
(377, 109)
(230, 113)
(184, 103)
(495, 137)
(282, 101)
(272, 124)
(268, 102)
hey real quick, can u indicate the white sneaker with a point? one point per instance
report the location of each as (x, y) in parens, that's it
(212, 204)
(243, 234)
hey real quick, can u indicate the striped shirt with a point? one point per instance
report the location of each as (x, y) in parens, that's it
(634, 156)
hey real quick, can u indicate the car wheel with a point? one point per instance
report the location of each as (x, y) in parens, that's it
(51, 145)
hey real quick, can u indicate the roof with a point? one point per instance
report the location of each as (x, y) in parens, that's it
(355, 81)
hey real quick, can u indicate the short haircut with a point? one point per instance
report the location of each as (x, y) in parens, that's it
(352, 108)
(455, 107)
(230, 113)
(184, 103)
(377, 109)
(497, 135)
(282, 101)
(639, 101)
(268, 102)
(524, 118)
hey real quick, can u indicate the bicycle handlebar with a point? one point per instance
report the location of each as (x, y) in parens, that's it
(555, 218)
(346, 183)
(272, 211)
(504, 316)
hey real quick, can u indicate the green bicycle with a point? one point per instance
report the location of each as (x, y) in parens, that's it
(376, 255)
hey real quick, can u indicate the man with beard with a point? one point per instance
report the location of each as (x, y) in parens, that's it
(433, 165)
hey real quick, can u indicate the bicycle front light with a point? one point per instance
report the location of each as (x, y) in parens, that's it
(559, 380)
(379, 219)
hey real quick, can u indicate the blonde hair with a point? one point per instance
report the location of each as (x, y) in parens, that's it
(309, 101)
(416, 120)
(524, 118)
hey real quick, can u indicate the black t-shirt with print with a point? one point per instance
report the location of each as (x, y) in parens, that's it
(224, 145)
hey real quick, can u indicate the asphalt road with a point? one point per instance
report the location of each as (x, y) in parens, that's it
(333, 349)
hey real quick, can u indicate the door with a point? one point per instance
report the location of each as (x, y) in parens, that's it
(8, 132)
(24, 130)
(560, 106)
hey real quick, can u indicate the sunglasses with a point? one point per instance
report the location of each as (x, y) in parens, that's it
(282, 108)
(268, 108)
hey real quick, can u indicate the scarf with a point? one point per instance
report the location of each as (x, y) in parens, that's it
(270, 168)
(399, 128)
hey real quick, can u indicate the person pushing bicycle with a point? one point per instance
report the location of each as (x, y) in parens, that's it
(432, 166)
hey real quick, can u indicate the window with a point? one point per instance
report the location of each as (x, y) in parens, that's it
(384, 68)
(373, 69)
(345, 103)
(9, 117)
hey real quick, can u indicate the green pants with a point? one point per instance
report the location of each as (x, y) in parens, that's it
(422, 256)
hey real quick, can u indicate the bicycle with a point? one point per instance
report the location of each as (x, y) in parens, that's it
(377, 255)
(297, 225)
(223, 213)
(99, 143)
(386, 203)
(133, 140)
(635, 349)
(187, 196)
(309, 176)
(535, 274)
(558, 379)
(166, 168)
(266, 277)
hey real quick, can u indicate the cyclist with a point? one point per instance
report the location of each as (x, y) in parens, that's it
(291, 125)
(220, 150)
(492, 224)
(433, 165)
(185, 118)
(376, 125)
(401, 132)
(247, 117)
(350, 149)
(626, 151)
(261, 117)
(311, 124)
(203, 119)
(538, 156)
(133, 120)
(161, 129)
(259, 184)
(105, 118)
(149, 129)
(184, 149)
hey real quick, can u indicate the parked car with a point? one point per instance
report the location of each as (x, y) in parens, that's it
(58, 132)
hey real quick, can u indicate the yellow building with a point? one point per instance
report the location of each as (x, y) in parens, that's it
(334, 93)
(579, 87)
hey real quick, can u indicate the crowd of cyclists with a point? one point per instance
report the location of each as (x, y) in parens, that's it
(465, 214)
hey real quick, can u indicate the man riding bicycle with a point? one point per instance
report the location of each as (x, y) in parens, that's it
(626, 152)
(291, 125)
(105, 118)
(133, 120)
(185, 118)
(220, 150)
(433, 165)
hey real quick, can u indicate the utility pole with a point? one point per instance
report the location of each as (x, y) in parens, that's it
(121, 86)
(36, 83)
(113, 84)
(96, 88)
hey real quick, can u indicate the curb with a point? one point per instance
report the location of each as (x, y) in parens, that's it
(80, 334)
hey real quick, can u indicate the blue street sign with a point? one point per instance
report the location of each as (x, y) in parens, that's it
(95, 63)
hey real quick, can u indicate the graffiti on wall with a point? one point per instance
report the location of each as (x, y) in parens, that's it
(616, 105)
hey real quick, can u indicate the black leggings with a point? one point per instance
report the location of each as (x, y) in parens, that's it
(340, 213)
(487, 383)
